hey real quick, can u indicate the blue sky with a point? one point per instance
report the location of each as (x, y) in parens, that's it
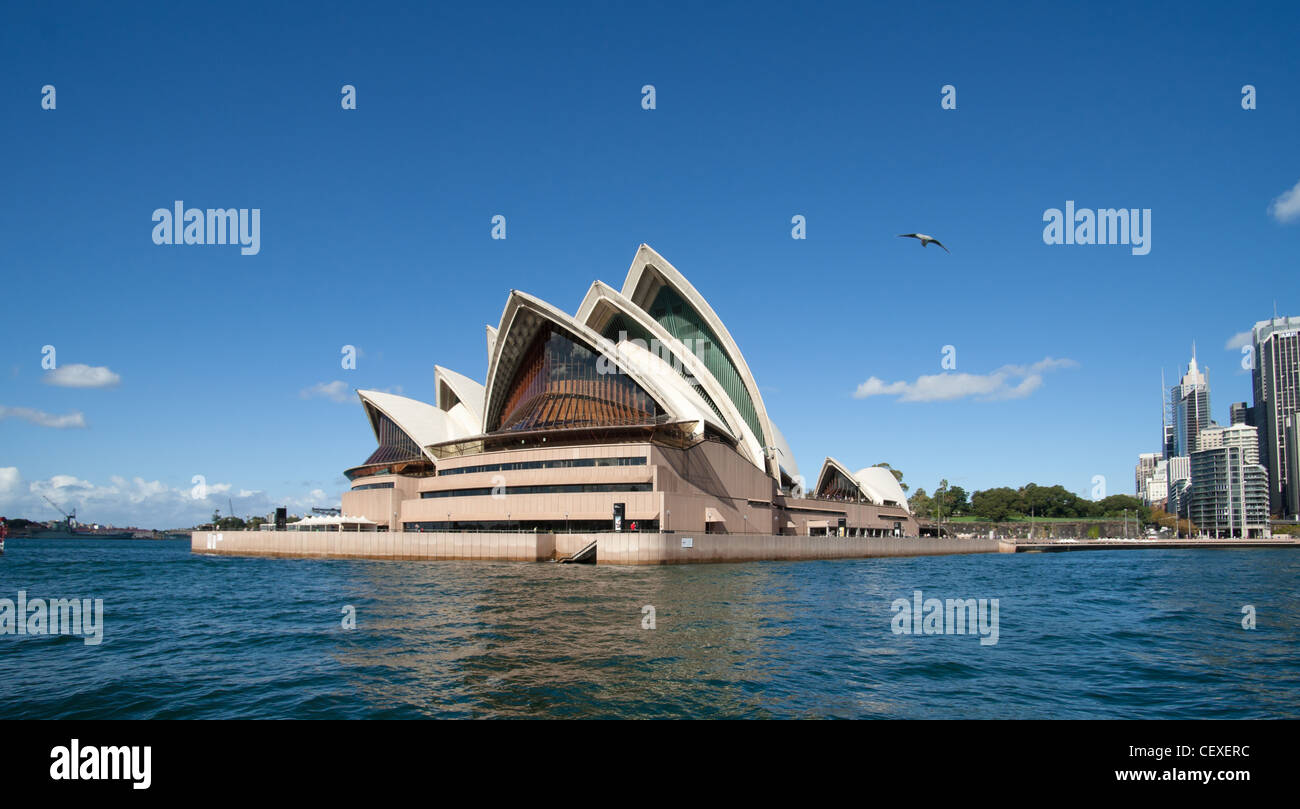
(375, 222)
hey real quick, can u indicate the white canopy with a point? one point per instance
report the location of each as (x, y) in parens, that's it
(332, 522)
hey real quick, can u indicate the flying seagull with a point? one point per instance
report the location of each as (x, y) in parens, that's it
(926, 241)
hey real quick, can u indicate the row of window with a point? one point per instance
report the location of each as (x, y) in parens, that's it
(684, 323)
(541, 526)
(562, 383)
(565, 488)
(563, 463)
(387, 485)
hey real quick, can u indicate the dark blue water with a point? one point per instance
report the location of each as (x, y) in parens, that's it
(1088, 634)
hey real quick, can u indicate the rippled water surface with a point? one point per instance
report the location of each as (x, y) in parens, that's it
(1086, 634)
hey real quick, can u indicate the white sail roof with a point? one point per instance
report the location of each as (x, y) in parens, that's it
(422, 422)
(655, 376)
(649, 271)
(876, 483)
(459, 397)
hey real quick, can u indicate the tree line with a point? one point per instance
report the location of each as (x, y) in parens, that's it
(1004, 503)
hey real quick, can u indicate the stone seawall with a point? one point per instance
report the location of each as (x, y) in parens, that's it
(505, 547)
(1054, 546)
(668, 549)
(612, 549)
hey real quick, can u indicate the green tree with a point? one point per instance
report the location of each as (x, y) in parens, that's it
(954, 501)
(1117, 504)
(921, 504)
(998, 505)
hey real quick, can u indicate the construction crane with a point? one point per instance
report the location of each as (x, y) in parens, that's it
(71, 518)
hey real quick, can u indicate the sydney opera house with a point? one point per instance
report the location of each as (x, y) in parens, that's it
(636, 413)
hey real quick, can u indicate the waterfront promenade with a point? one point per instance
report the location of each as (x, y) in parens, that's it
(1113, 544)
(628, 548)
(652, 548)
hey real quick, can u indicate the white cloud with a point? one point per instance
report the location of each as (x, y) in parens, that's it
(1045, 364)
(1286, 208)
(9, 481)
(40, 417)
(138, 502)
(1025, 387)
(1008, 382)
(336, 391)
(1237, 341)
(82, 376)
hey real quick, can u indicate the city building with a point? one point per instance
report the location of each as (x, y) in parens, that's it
(638, 412)
(1189, 408)
(1178, 478)
(1228, 495)
(1238, 435)
(1167, 448)
(1276, 382)
(1178, 468)
(1241, 413)
(1156, 490)
(1146, 466)
(1178, 502)
(1291, 435)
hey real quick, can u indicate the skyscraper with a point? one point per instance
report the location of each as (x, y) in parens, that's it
(1166, 428)
(1189, 404)
(1292, 435)
(1240, 413)
(1276, 381)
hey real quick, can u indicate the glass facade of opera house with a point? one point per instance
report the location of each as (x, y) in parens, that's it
(639, 402)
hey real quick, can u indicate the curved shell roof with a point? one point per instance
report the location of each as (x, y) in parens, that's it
(647, 275)
(491, 340)
(422, 422)
(876, 483)
(603, 302)
(649, 371)
(459, 397)
(713, 387)
(881, 486)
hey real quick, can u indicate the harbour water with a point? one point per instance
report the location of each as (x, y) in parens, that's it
(1106, 634)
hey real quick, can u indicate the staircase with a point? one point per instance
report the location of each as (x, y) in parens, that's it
(585, 556)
